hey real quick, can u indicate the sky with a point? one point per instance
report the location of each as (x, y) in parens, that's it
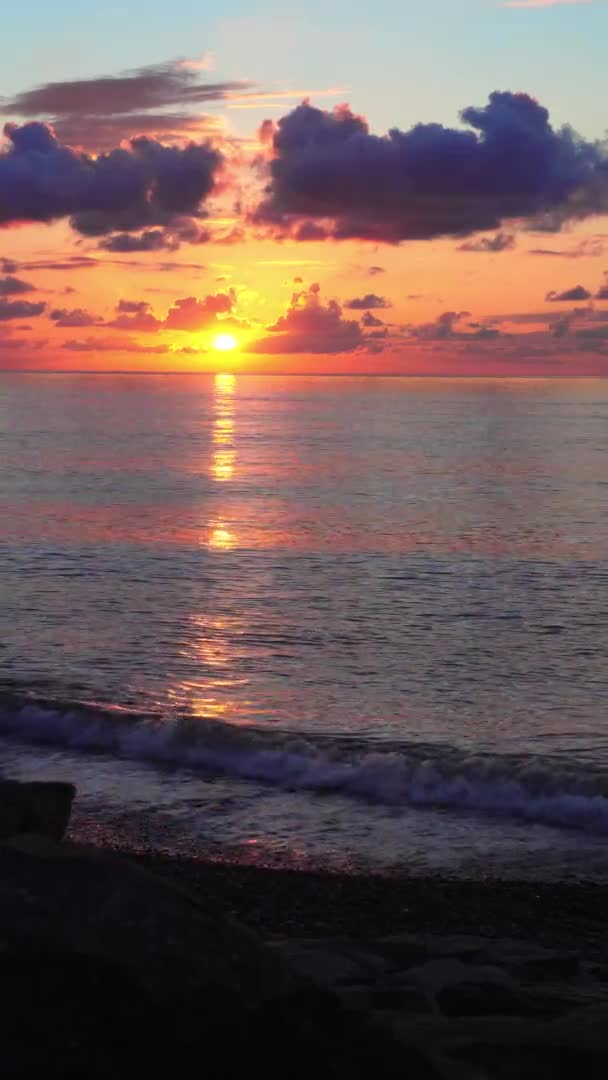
(390, 188)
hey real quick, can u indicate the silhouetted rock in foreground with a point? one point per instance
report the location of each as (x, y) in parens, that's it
(42, 808)
(108, 970)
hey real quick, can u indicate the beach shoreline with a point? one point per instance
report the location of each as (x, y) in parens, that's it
(302, 903)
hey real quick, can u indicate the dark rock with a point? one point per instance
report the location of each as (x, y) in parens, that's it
(332, 962)
(42, 808)
(442, 972)
(402, 951)
(403, 999)
(109, 971)
(482, 999)
(551, 966)
(527, 1061)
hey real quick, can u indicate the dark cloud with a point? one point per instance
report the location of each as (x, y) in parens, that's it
(593, 333)
(368, 302)
(128, 189)
(309, 326)
(602, 292)
(74, 317)
(432, 180)
(192, 314)
(98, 113)
(132, 307)
(371, 320)
(99, 133)
(590, 247)
(577, 292)
(448, 327)
(12, 286)
(153, 87)
(373, 270)
(19, 309)
(310, 231)
(68, 262)
(181, 230)
(443, 327)
(125, 243)
(8, 266)
(502, 241)
(112, 344)
(135, 315)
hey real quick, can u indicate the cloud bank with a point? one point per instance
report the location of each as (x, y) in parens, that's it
(431, 181)
(130, 188)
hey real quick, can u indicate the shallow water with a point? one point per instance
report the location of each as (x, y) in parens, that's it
(318, 620)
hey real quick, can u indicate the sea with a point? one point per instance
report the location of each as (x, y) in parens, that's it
(350, 623)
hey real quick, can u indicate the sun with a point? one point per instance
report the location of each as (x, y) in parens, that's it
(225, 342)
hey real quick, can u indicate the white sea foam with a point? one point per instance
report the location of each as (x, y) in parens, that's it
(534, 789)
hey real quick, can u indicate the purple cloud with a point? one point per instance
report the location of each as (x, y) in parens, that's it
(192, 314)
(19, 309)
(577, 292)
(12, 286)
(432, 180)
(309, 326)
(368, 302)
(98, 113)
(502, 241)
(127, 189)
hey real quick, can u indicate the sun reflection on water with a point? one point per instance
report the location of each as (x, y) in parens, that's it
(224, 453)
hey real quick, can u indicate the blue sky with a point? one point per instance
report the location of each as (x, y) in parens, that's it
(400, 60)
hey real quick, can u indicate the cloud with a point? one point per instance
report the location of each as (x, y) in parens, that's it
(112, 344)
(431, 180)
(123, 243)
(135, 316)
(374, 270)
(8, 266)
(19, 309)
(577, 292)
(131, 188)
(371, 320)
(544, 3)
(589, 247)
(12, 286)
(68, 262)
(309, 326)
(74, 317)
(97, 113)
(192, 314)
(447, 327)
(502, 241)
(367, 303)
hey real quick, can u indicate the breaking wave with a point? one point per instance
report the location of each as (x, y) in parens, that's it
(536, 789)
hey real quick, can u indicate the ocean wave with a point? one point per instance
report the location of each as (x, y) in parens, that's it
(547, 791)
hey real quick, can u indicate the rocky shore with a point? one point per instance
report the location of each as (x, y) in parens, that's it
(116, 966)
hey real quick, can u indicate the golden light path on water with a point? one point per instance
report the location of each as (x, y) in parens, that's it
(209, 637)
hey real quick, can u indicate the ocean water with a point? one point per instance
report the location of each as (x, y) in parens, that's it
(312, 621)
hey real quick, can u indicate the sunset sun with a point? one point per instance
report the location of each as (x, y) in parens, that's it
(225, 342)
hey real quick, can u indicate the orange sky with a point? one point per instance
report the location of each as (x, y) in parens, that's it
(417, 282)
(476, 247)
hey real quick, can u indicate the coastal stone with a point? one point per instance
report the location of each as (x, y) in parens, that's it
(334, 963)
(436, 975)
(38, 807)
(105, 964)
(528, 1060)
(482, 999)
(402, 950)
(403, 999)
